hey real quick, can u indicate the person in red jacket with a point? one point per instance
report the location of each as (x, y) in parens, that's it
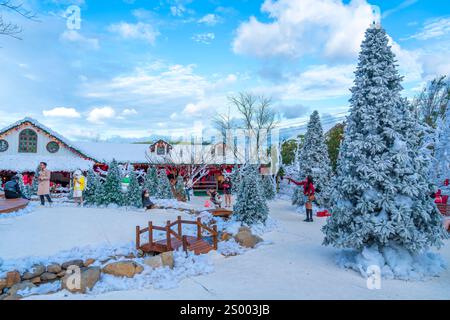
(309, 192)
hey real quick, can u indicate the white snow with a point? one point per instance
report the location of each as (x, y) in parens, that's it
(290, 264)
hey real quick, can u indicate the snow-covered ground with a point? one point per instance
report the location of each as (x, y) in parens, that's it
(292, 263)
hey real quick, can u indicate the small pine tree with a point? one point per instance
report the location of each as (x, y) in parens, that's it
(35, 183)
(314, 161)
(251, 206)
(269, 187)
(235, 179)
(151, 181)
(442, 151)
(25, 189)
(91, 191)
(112, 188)
(164, 190)
(297, 195)
(179, 189)
(133, 197)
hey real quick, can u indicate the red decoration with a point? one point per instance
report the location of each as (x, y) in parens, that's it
(323, 214)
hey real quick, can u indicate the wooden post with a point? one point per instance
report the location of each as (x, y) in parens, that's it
(180, 227)
(138, 237)
(150, 233)
(185, 244)
(215, 236)
(199, 229)
(168, 237)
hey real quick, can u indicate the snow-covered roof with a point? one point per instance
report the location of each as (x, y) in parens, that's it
(28, 163)
(122, 152)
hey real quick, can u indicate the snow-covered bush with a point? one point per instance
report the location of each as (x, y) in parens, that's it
(164, 190)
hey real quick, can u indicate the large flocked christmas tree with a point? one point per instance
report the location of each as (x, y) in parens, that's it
(313, 161)
(441, 166)
(381, 207)
(151, 181)
(112, 188)
(269, 187)
(251, 206)
(93, 187)
(235, 179)
(164, 190)
(133, 195)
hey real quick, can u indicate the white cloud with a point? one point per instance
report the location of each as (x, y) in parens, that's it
(129, 112)
(62, 112)
(436, 28)
(205, 38)
(300, 27)
(98, 115)
(140, 30)
(76, 37)
(210, 19)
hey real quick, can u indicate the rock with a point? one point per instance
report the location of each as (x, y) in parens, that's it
(89, 262)
(2, 284)
(20, 286)
(36, 271)
(225, 236)
(3, 296)
(165, 259)
(123, 269)
(88, 278)
(244, 229)
(61, 274)
(54, 268)
(12, 278)
(246, 239)
(36, 280)
(154, 262)
(78, 263)
(48, 276)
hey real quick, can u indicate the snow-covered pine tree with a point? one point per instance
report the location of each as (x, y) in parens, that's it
(164, 190)
(251, 206)
(133, 196)
(112, 188)
(26, 190)
(235, 179)
(442, 151)
(151, 181)
(297, 195)
(269, 187)
(90, 194)
(381, 206)
(35, 183)
(313, 160)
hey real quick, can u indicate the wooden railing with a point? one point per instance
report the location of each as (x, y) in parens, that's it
(176, 234)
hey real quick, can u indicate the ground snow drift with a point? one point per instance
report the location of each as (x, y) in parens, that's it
(394, 263)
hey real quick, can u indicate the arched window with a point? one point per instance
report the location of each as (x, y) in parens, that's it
(28, 141)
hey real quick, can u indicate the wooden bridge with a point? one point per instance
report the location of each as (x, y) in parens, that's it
(175, 239)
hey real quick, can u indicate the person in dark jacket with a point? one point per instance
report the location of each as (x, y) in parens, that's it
(227, 191)
(146, 202)
(12, 189)
(309, 193)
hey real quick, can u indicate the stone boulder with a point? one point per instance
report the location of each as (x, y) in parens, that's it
(164, 259)
(36, 271)
(246, 239)
(54, 268)
(48, 276)
(123, 269)
(20, 286)
(89, 262)
(88, 278)
(12, 278)
(2, 285)
(79, 263)
(36, 280)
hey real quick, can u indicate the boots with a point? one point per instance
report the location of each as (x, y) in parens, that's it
(309, 215)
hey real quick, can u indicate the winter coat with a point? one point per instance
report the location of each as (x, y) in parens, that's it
(44, 182)
(146, 202)
(81, 185)
(12, 190)
(308, 189)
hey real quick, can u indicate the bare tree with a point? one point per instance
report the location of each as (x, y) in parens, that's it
(8, 28)
(432, 102)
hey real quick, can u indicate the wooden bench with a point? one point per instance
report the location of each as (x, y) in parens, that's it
(12, 205)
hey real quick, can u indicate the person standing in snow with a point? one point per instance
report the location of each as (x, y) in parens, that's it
(79, 184)
(44, 183)
(227, 191)
(309, 193)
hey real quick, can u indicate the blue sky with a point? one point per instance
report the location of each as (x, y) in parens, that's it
(142, 67)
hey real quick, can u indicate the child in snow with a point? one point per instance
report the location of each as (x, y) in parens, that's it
(146, 202)
(227, 191)
(215, 197)
(79, 184)
(309, 193)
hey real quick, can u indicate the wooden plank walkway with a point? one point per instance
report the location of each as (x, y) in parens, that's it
(197, 246)
(12, 205)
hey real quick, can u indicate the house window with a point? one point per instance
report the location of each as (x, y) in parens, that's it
(53, 147)
(160, 150)
(28, 141)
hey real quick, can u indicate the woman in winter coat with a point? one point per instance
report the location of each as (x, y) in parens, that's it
(44, 183)
(309, 193)
(146, 202)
